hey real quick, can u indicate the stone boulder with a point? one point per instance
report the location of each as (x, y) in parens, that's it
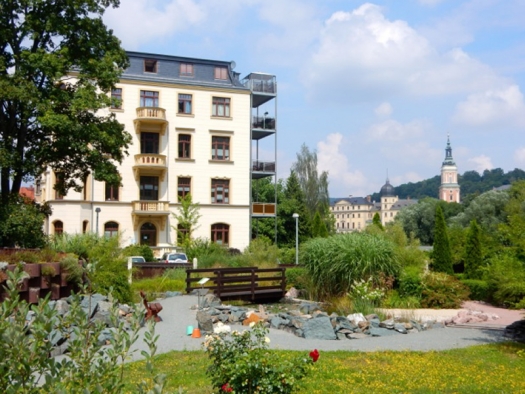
(319, 328)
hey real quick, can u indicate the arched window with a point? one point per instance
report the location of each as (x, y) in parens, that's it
(85, 225)
(111, 229)
(58, 227)
(148, 234)
(220, 233)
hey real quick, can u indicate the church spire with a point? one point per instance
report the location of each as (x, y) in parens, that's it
(448, 153)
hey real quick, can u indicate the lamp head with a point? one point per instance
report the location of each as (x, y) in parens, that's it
(295, 215)
(98, 210)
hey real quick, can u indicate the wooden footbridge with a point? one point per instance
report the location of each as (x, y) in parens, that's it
(246, 283)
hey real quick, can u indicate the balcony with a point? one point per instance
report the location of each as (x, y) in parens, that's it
(262, 126)
(155, 211)
(263, 210)
(150, 119)
(150, 164)
(262, 169)
(263, 87)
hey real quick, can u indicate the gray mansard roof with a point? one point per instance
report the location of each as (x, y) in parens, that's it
(168, 71)
(350, 200)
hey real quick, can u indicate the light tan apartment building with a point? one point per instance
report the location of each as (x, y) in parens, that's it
(193, 124)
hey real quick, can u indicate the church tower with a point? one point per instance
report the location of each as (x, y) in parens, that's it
(449, 189)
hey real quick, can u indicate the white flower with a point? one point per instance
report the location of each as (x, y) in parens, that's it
(252, 324)
(266, 339)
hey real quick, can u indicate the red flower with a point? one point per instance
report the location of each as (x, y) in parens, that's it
(314, 354)
(226, 388)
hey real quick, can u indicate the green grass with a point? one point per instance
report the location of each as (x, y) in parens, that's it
(477, 369)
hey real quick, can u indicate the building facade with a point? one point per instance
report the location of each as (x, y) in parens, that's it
(355, 213)
(449, 189)
(193, 123)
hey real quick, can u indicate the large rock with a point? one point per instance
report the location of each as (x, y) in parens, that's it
(356, 318)
(380, 332)
(400, 327)
(319, 328)
(516, 331)
(210, 300)
(205, 322)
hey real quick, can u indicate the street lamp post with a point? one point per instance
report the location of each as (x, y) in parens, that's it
(296, 216)
(97, 210)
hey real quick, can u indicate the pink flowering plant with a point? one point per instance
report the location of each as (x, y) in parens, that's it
(243, 363)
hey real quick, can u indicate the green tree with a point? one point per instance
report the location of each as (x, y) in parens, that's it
(319, 227)
(187, 220)
(313, 184)
(22, 223)
(58, 63)
(441, 255)
(511, 232)
(376, 220)
(473, 252)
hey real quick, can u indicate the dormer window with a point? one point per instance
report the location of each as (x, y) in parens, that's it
(221, 73)
(186, 69)
(150, 65)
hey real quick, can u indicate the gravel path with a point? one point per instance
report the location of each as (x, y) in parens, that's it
(177, 315)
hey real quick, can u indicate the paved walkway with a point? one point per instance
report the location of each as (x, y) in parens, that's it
(177, 315)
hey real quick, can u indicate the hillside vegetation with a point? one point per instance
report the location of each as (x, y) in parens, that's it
(472, 184)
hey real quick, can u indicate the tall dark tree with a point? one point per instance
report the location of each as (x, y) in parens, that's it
(319, 227)
(294, 202)
(376, 220)
(58, 63)
(441, 255)
(473, 253)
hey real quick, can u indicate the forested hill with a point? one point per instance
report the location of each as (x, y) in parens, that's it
(471, 182)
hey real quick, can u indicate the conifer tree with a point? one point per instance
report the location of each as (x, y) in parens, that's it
(319, 227)
(377, 221)
(442, 255)
(473, 253)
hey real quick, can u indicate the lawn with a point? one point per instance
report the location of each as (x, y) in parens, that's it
(494, 368)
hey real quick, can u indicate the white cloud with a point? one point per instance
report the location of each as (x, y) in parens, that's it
(392, 130)
(481, 163)
(384, 109)
(362, 55)
(429, 2)
(137, 22)
(493, 107)
(519, 156)
(342, 179)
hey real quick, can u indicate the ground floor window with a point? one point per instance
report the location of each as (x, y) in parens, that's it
(58, 226)
(148, 234)
(220, 233)
(111, 229)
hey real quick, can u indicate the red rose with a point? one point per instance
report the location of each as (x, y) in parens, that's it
(314, 354)
(226, 388)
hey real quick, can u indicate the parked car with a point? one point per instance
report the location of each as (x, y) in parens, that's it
(136, 259)
(171, 258)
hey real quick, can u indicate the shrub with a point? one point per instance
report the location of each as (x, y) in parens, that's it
(479, 289)
(410, 282)
(287, 255)
(505, 276)
(69, 264)
(394, 300)
(79, 244)
(334, 263)
(48, 256)
(26, 256)
(139, 250)
(242, 363)
(261, 253)
(202, 247)
(442, 291)
(90, 366)
(297, 277)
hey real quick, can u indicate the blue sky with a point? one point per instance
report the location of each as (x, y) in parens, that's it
(371, 86)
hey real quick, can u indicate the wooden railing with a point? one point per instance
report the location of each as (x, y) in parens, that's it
(245, 283)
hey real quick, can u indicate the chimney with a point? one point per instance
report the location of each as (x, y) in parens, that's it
(368, 198)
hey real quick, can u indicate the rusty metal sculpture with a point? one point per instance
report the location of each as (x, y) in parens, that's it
(152, 308)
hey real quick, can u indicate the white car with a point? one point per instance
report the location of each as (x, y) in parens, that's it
(171, 258)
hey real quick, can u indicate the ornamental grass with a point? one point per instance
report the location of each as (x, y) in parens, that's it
(334, 263)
